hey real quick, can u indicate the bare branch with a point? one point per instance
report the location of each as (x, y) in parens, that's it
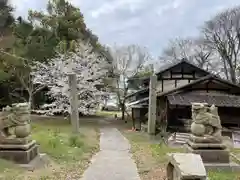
(38, 88)
(195, 50)
(223, 36)
(127, 62)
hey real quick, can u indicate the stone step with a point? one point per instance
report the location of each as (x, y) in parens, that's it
(180, 142)
(183, 134)
(180, 138)
(236, 139)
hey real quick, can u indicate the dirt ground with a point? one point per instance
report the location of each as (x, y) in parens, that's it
(151, 158)
(68, 155)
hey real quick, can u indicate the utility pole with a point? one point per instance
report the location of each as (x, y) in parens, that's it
(74, 102)
(152, 105)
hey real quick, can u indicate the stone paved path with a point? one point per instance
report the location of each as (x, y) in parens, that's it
(113, 162)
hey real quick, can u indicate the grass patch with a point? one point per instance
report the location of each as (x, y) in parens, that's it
(157, 151)
(160, 152)
(60, 144)
(220, 175)
(235, 150)
(108, 113)
(5, 165)
(69, 153)
(151, 158)
(141, 148)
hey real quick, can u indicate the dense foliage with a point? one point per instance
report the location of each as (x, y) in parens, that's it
(65, 21)
(38, 39)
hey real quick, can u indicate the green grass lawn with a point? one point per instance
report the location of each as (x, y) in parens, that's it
(223, 175)
(69, 154)
(151, 158)
(108, 113)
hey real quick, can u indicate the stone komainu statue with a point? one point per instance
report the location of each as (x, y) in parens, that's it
(17, 119)
(206, 121)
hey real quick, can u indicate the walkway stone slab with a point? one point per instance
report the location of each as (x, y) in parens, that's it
(114, 160)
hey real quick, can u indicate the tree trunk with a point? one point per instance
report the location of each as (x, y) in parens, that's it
(133, 120)
(134, 124)
(123, 111)
(233, 75)
(32, 102)
(30, 99)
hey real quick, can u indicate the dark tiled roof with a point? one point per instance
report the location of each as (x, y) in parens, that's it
(216, 99)
(175, 63)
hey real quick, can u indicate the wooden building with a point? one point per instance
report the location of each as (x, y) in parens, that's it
(181, 84)
(170, 77)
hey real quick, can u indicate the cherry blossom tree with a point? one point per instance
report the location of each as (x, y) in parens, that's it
(90, 69)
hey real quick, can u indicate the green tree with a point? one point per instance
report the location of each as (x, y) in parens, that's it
(33, 42)
(6, 21)
(6, 17)
(37, 38)
(65, 21)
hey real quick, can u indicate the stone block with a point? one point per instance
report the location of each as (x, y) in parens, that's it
(40, 161)
(20, 156)
(15, 140)
(185, 166)
(228, 167)
(17, 146)
(211, 155)
(199, 139)
(206, 145)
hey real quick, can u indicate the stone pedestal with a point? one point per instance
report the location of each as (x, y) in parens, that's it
(215, 156)
(19, 153)
(211, 152)
(12, 141)
(206, 139)
(211, 155)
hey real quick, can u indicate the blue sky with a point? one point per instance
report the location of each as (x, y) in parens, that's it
(149, 23)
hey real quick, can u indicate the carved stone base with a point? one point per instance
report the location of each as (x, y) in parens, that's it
(210, 155)
(21, 154)
(15, 141)
(18, 146)
(203, 139)
(209, 146)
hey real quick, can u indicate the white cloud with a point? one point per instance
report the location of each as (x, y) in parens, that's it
(148, 23)
(110, 7)
(131, 23)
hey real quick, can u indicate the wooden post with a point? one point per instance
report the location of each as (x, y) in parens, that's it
(74, 102)
(152, 105)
